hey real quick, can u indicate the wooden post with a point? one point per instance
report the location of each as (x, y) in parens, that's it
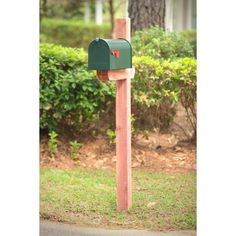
(123, 128)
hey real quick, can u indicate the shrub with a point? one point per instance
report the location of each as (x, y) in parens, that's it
(160, 44)
(69, 93)
(71, 33)
(188, 87)
(158, 86)
(191, 37)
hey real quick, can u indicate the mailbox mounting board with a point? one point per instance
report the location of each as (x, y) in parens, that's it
(109, 54)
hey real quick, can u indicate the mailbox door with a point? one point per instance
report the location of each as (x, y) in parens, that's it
(99, 53)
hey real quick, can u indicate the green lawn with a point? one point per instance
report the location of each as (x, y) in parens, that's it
(87, 197)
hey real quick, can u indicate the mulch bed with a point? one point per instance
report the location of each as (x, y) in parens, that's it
(157, 152)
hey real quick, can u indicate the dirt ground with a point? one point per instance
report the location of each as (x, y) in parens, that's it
(154, 150)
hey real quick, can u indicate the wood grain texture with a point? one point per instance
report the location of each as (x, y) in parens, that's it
(123, 128)
(102, 74)
(115, 74)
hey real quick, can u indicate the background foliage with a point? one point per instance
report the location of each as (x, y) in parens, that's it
(191, 37)
(71, 33)
(160, 44)
(61, 9)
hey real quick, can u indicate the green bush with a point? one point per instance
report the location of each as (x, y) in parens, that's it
(191, 37)
(69, 93)
(71, 33)
(157, 88)
(160, 44)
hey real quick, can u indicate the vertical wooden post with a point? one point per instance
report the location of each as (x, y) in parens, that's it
(123, 128)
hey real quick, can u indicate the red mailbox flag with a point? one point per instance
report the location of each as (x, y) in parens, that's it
(116, 52)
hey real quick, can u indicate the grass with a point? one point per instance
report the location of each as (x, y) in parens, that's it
(87, 197)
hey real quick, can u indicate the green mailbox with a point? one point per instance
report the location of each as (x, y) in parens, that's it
(109, 54)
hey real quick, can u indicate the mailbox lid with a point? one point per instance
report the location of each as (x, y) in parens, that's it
(102, 56)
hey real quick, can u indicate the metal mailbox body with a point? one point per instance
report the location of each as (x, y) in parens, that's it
(109, 54)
